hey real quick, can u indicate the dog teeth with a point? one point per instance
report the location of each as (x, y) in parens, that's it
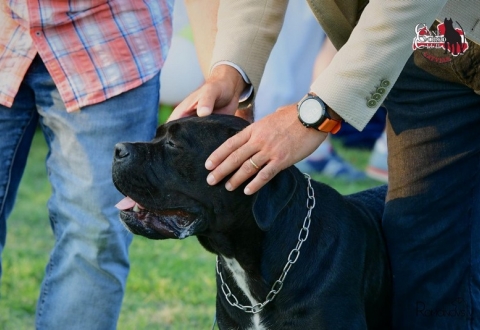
(136, 208)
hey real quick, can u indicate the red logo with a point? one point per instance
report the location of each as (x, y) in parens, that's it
(447, 37)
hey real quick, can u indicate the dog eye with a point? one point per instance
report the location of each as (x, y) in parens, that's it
(170, 144)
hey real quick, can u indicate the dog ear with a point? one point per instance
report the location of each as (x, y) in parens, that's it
(273, 197)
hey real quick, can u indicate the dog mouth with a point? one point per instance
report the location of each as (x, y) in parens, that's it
(176, 222)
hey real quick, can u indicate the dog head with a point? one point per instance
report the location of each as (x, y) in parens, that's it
(165, 183)
(165, 179)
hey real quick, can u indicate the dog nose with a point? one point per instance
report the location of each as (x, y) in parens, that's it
(122, 150)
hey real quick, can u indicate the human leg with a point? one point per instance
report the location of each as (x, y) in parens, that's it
(85, 278)
(432, 215)
(17, 125)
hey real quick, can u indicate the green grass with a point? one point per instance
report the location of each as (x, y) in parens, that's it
(171, 283)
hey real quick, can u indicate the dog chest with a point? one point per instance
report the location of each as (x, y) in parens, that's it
(240, 278)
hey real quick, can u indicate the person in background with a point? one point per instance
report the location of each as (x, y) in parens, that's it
(431, 221)
(88, 74)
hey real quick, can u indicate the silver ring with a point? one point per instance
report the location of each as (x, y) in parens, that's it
(253, 163)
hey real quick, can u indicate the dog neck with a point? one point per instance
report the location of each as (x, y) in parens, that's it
(242, 243)
(239, 255)
(247, 267)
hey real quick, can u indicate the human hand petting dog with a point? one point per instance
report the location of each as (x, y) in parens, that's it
(220, 94)
(262, 149)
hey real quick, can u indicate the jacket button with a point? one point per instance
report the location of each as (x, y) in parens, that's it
(384, 83)
(376, 96)
(381, 90)
(371, 103)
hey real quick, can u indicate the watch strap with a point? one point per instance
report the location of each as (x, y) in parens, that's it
(328, 125)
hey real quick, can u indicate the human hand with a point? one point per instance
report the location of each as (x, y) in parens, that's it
(272, 144)
(220, 94)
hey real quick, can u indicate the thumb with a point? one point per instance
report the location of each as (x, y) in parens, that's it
(208, 99)
(203, 111)
(184, 109)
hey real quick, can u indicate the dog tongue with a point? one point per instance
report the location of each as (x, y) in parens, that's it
(126, 203)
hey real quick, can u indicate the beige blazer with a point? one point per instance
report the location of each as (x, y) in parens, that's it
(374, 40)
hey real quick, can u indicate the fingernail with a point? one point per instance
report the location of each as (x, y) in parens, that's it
(210, 179)
(209, 164)
(203, 111)
(247, 191)
(228, 186)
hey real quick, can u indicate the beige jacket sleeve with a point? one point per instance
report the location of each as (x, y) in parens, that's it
(364, 70)
(246, 33)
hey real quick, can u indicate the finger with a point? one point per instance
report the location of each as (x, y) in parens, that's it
(226, 148)
(185, 108)
(232, 163)
(263, 177)
(228, 157)
(248, 169)
(206, 101)
(210, 98)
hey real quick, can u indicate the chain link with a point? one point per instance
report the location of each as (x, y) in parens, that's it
(292, 258)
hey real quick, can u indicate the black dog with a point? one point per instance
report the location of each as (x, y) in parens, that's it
(277, 267)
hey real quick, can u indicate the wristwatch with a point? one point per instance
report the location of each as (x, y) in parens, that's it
(312, 112)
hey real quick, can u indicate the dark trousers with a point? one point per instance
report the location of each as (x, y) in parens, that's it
(432, 215)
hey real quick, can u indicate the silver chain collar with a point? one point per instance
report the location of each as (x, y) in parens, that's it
(292, 258)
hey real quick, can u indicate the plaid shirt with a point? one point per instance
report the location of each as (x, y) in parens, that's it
(93, 49)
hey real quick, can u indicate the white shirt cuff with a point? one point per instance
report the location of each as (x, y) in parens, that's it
(249, 89)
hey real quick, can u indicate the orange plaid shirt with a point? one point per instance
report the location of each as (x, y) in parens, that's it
(93, 49)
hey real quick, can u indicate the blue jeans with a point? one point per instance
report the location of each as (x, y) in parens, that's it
(85, 278)
(432, 214)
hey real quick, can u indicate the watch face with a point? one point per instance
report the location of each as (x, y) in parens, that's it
(310, 111)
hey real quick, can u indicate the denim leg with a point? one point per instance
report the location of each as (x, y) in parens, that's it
(17, 125)
(85, 278)
(432, 215)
